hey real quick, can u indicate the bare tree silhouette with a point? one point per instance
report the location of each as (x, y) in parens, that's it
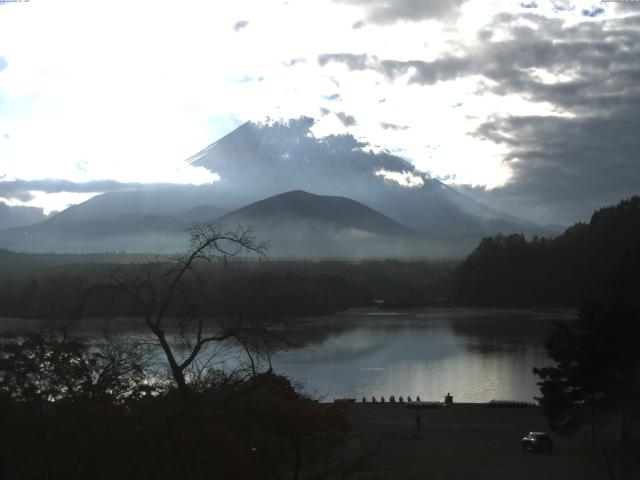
(158, 289)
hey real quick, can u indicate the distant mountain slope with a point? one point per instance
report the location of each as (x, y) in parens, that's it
(202, 213)
(331, 211)
(301, 224)
(566, 270)
(264, 160)
(297, 223)
(143, 233)
(162, 201)
(257, 161)
(260, 161)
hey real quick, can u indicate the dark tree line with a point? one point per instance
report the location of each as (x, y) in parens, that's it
(33, 288)
(273, 294)
(595, 380)
(513, 271)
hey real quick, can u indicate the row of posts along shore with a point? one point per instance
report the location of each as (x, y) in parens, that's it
(448, 400)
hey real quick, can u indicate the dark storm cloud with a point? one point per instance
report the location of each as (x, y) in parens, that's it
(21, 189)
(593, 52)
(571, 162)
(240, 24)
(393, 126)
(347, 120)
(568, 166)
(388, 12)
(574, 164)
(18, 216)
(584, 48)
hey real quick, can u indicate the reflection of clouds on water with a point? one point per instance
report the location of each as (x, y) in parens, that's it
(377, 344)
(476, 355)
(476, 358)
(343, 346)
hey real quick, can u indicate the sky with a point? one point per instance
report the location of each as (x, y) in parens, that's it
(529, 106)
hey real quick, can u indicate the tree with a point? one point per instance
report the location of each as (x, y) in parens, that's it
(172, 289)
(290, 430)
(35, 369)
(596, 382)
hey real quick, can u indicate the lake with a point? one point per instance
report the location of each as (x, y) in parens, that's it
(475, 354)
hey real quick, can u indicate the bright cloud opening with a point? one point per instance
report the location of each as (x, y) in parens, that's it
(404, 179)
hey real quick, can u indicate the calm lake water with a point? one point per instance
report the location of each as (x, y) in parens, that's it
(476, 354)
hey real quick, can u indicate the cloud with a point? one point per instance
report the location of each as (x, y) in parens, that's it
(333, 97)
(580, 154)
(427, 73)
(18, 216)
(21, 189)
(563, 5)
(66, 102)
(404, 178)
(247, 79)
(385, 12)
(583, 49)
(573, 165)
(593, 12)
(294, 61)
(358, 25)
(352, 61)
(392, 126)
(564, 166)
(422, 72)
(3, 63)
(347, 120)
(240, 24)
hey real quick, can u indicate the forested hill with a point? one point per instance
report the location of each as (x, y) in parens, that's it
(577, 265)
(21, 264)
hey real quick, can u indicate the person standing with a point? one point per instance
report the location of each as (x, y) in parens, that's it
(418, 422)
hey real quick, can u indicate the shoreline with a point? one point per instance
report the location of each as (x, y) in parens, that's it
(425, 313)
(462, 441)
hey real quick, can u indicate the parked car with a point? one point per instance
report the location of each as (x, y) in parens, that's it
(537, 442)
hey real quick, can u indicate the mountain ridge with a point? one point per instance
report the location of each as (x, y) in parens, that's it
(285, 156)
(301, 205)
(298, 222)
(256, 162)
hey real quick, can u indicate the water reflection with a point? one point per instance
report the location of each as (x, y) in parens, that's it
(477, 355)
